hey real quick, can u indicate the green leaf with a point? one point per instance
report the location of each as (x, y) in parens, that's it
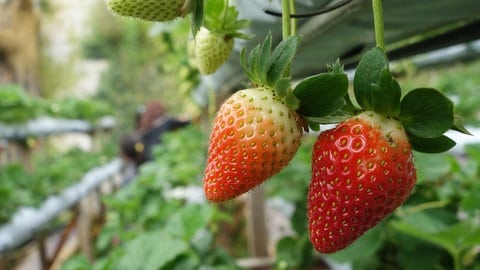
(426, 113)
(431, 145)
(365, 247)
(281, 57)
(190, 219)
(287, 256)
(455, 239)
(321, 94)
(152, 250)
(414, 231)
(387, 100)
(367, 75)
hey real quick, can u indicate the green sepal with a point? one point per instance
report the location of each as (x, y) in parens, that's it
(198, 16)
(426, 113)
(264, 67)
(335, 118)
(367, 76)
(223, 19)
(431, 145)
(458, 125)
(386, 100)
(282, 87)
(281, 57)
(262, 62)
(291, 101)
(321, 94)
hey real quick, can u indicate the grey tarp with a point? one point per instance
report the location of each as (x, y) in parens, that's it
(412, 27)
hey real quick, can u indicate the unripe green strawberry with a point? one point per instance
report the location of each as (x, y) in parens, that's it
(211, 50)
(254, 136)
(150, 10)
(362, 170)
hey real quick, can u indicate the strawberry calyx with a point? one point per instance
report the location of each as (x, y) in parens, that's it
(425, 113)
(222, 19)
(266, 68)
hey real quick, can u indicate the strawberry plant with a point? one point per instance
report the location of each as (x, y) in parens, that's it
(363, 169)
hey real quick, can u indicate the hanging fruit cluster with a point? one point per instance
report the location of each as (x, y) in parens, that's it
(362, 170)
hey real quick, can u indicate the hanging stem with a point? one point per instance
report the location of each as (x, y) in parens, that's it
(287, 25)
(286, 20)
(293, 21)
(378, 24)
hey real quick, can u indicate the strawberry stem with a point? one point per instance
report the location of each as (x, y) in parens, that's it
(293, 21)
(378, 24)
(286, 21)
(288, 25)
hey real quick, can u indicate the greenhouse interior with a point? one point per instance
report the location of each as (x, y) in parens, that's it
(229, 134)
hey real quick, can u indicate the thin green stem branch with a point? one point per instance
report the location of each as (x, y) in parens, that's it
(293, 21)
(286, 21)
(378, 23)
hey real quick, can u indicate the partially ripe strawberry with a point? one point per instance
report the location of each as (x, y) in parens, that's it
(362, 170)
(254, 136)
(150, 10)
(211, 50)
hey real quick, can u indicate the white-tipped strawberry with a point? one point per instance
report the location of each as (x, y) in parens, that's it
(256, 131)
(211, 50)
(149, 10)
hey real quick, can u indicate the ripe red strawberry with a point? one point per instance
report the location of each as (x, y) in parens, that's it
(254, 136)
(211, 50)
(362, 170)
(150, 10)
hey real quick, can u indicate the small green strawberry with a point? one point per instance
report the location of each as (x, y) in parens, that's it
(256, 132)
(214, 40)
(211, 50)
(150, 10)
(361, 171)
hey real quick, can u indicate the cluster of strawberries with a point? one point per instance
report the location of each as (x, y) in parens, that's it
(362, 169)
(213, 40)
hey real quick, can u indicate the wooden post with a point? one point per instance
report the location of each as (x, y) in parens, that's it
(256, 227)
(83, 228)
(42, 252)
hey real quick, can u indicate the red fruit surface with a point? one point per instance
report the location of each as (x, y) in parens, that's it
(254, 136)
(362, 170)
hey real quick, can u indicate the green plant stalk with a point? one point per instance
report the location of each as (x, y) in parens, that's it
(293, 21)
(286, 21)
(287, 25)
(378, 24)
(422, 207)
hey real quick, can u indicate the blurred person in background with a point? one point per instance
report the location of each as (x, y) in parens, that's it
(151, 122)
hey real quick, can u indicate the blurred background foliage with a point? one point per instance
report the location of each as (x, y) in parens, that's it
(146, 61)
